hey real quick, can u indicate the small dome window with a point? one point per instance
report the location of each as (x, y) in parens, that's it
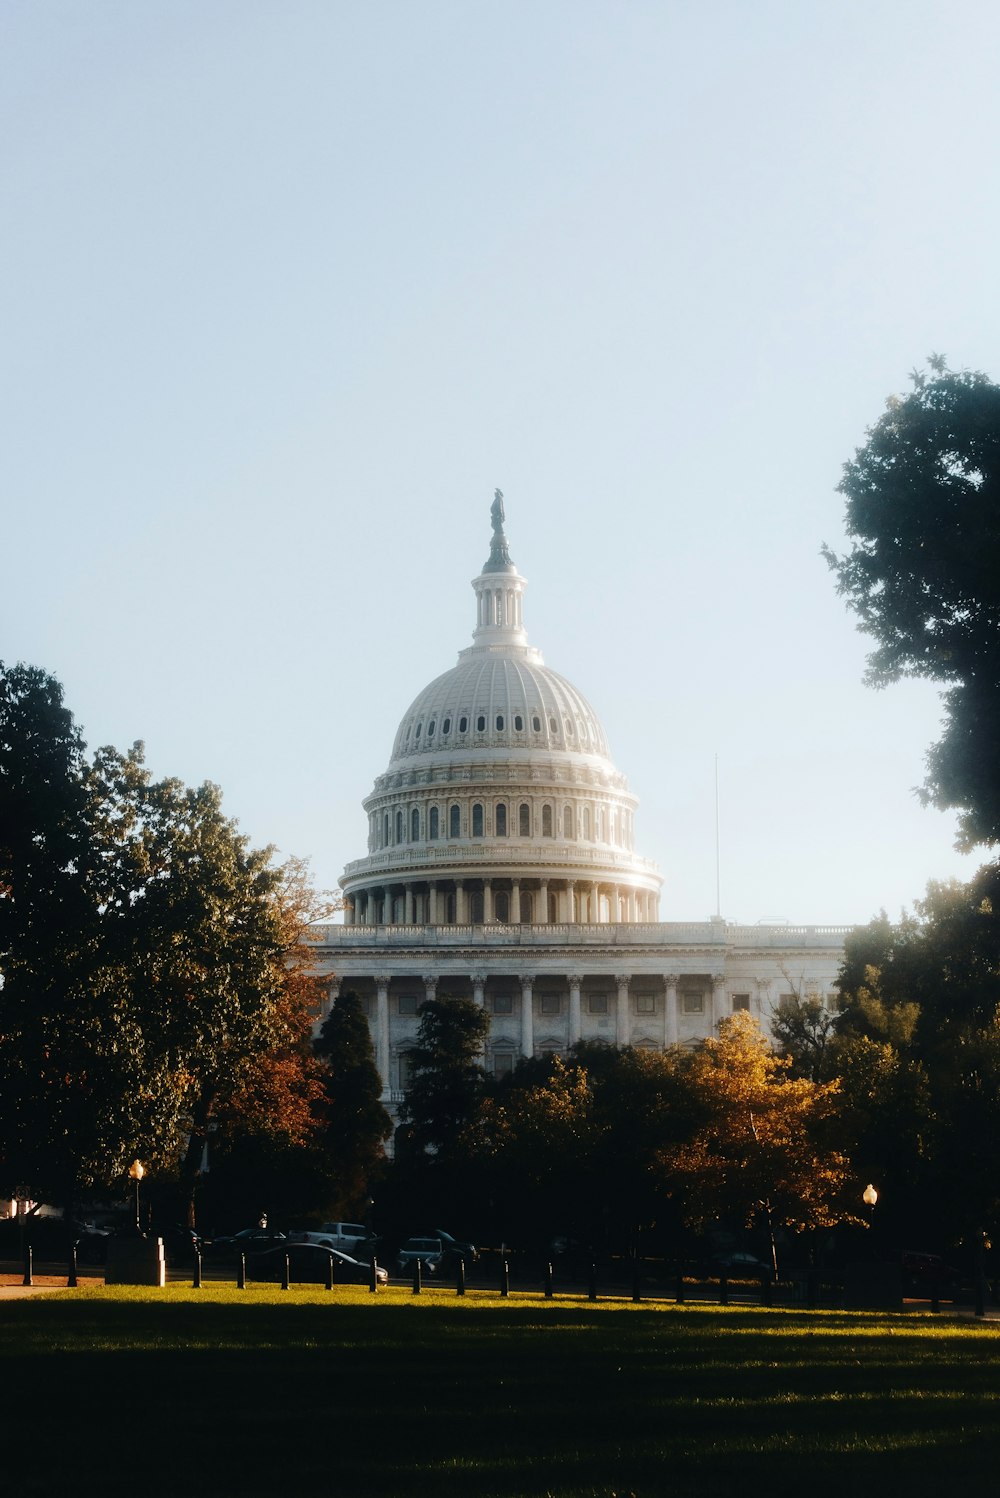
(430, 729)
(569, 725)
(477, 820)
(536, 723)
(553, 726)
(463, 724)
(518, 724)
(481, 723)
(417, 734)
(499, 723)
(446, 726)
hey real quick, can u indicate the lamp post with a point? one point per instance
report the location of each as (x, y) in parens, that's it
(870, 1196)
(136, 1172)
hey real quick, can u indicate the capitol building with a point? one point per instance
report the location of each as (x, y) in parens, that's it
(502, 867)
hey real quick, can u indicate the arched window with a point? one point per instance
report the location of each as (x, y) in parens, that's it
(524, 819)
(553, 726)
(430, 729)
(455, 822)
(481, 723)
(546, 821)
(477, 820)
(476, 907)
(501, 819)
(385, 830)
(463, 724)
(525, 913)
(518, 724)
(536, 723)
(568, 831)
(586, 824)
(432, 829)
(414, 826)
(499, 723)
(446, 726)
(399, 826)
(501, 907)
(417, 734)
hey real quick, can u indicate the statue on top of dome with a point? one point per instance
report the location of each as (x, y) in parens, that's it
(496, 510)
(499, 560)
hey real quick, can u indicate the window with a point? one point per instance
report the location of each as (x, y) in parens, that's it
(446, 726)
(692, 1003)
(597, 1003)
(518, 724)
(399, 826)
(433, 825)
(645, 1003)
(568, 823)
(463, 724)
(501, 907)
(503, 1003)
(569, 725)
(405, 1069)
(524, 819)
(553, 726)
(536, 723)
(477, 820)
(546, 821)
(481, 723)
(549, 1003)
(503, 1065)
(414, 825)
(407, 1003)
(527, 906)
(740, 1001)
(455, 822)
(476, 908)
(586, 824)
(417, 734)
(499, 723)
(501, 819)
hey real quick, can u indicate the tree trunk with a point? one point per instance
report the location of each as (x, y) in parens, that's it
(194, 1154)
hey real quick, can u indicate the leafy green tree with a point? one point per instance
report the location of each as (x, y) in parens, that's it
(446, 1077)
(356, 1125)
(923, 575)
(803, 1027)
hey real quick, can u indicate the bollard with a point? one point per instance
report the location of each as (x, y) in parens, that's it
(636, 1281)
(241, 1272)
(373, 1276)
(548, 1282)
(196, 1281)
(329, 1271)
(766, 1290)
(723, 1289)
(679, 1289)
(504, 1278)
(28, 1280)
(71, 1268)
(285, 1273)
(417, 1277)
(460, 1278)
(592, 1285)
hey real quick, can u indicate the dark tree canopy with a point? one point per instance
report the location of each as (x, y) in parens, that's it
(356, 1125)
(446, 1076)
(923, 575)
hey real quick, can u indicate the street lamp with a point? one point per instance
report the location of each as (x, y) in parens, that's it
(136, 1172)
(869, 1196)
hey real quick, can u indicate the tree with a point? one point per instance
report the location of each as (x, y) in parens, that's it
(356, 1125)
(760, 1151)
(923, 577)
(803, 1027)
(446, 1076)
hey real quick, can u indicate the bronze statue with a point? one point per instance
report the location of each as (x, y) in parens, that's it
(496, 510)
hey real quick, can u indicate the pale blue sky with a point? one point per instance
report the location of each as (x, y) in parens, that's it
(288, 288)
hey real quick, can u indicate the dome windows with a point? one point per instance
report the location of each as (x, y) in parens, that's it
(417, 734)
(546, 821)
(499, 723)
(430, 729)
(536, 724)
(414, 826)
(433, 824)
(518, 724)
(524, 820)
(455, 821)
(569, 832)
(463, 724)
(399, 827)
(477, 820)
(446, 726)
(500, 819)
(553, 726)
(481, 723)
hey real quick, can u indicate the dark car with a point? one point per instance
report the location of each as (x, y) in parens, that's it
(180, 1244)
(456, 1248)
(248, 1240)
(740, 1265)
(309, 1263)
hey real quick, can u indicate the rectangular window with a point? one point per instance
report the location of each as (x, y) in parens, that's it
(692, 1003)
(740, 1001)
(503, 1003)
(503, 1065)
(550, 1003)
(645, 1003)
(407, 1003)
(597, 1003)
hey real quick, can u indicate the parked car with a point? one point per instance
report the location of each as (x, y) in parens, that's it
(456, 1248)
(429, 1251)
(363, 1250)
(180, 1244)
(309, 1263)
(740, 1264)
(924, 1273)
(349, 1237)
(247, 1240)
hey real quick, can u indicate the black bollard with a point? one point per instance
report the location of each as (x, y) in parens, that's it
(373, 1276)
(71, 1268)
(636, 1281)
(592, 1284)
(196, 1281)
(723, 1289)
(504, 1278)
(285, 1273)
(329, 1271)
(28, 1279)
(548, 1282)
(460, 1278)
(241, 1272)
(417, 1277)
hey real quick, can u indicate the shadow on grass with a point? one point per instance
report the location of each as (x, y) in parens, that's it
(227, 1399)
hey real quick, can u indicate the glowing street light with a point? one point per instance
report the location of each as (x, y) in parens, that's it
(869, 1196)
(136, 1172)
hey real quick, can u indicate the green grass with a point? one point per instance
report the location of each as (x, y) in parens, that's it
(223, 1392)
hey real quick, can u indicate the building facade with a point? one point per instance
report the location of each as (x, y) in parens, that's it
(502, 867)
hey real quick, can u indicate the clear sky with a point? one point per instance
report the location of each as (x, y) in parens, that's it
(289, 288)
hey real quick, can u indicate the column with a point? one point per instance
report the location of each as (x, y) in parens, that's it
(432, 902)
(515, 902)
(571, 901)
(543, 903)
(718, 999)
(615, 904)
(671, 1023)
(349, 911)
(487, 902)
(461, 904)
(595, 903)
(478, 989)
(764, 1000)
(382, 1029)
(387, 905)
(527, 1017)
(326, 1004)
(575, 1023)
(408, 905)
(622, 1024)
(430, 986)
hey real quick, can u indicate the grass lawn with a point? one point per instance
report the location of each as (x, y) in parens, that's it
(223, 1392)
